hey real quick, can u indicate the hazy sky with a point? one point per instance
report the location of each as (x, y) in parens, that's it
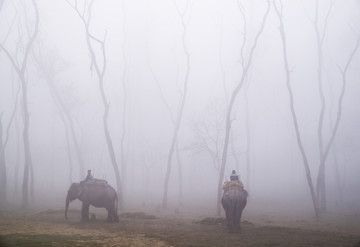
(144, 41)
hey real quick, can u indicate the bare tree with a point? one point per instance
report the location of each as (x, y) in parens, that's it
(279, 11)
(100, 69)
(234, 94)
(324, 149)
(320, 36)
(344, 73)
(209, 134)
(247, 113)
(184, 24)
(20, 68)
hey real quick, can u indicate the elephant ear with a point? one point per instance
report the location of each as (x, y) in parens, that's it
(80, 194)
(80, 191)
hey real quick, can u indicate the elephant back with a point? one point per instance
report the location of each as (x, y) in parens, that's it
(95, 181)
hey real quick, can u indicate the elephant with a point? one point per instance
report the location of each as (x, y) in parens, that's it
(100, 195)
(234, 202)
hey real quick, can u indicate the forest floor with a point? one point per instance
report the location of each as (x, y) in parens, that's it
(49, 228)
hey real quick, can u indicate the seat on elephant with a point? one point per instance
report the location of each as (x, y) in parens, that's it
(233, 186)
(95, 181)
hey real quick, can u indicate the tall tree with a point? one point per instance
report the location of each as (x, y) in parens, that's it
(100, 69)
(20, 68)
(246, 101)
(230, 105)
(320, 36)
(184, 24)
(279, 11)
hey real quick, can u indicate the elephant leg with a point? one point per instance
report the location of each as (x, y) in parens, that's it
(238, 220)
(239, 211)
(115, 216)
(229, 207)
(112, 214)
(85, 211)
(233, 214)
(109, 217)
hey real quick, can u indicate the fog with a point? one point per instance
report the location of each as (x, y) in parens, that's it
(159, 54)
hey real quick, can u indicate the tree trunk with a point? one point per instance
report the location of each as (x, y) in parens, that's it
(248, 143)
(293, 114)
(20, 70)
(321, 185)
(100, 72)
(180, 196)
(321, 175)
(229, 110)
(180, 113)
(27, 152)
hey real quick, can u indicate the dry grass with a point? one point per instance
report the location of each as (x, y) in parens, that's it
(49, 228)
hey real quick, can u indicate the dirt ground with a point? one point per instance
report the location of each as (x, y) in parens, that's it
(49, 228)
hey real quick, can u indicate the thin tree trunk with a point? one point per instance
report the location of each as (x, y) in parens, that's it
(3, 171)
(293, 114)
(248, 143)
(178, 158)
(100, 71)
(230, 106)
(340, 102)
(321, 185)
(180, 113)
(20, 70)
(27, 151)
(17, 161)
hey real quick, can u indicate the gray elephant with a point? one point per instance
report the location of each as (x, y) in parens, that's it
(100, 195)
(234, 202)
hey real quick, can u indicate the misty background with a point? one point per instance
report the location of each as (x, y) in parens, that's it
(161, 61)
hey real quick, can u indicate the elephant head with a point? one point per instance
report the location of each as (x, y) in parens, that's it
(73, 193)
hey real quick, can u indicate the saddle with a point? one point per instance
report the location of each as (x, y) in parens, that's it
(233, 186)
(94, 181)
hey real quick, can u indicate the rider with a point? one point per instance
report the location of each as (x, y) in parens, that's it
(234, 183)
(88, 176)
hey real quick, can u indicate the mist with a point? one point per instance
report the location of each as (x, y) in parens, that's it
(168, 71)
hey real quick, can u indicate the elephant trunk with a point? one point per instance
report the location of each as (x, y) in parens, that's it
(67, 205)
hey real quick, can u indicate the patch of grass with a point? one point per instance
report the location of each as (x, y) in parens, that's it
(212, 221)
(27, 240)
(138, 215)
